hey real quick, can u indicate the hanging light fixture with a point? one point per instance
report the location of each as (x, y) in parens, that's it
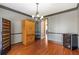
(37, 17)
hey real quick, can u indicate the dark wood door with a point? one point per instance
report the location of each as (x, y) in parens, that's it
(6, 36)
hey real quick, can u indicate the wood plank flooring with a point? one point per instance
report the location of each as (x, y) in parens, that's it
(41, 47)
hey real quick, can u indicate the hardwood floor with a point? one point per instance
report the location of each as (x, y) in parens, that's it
(41, 47)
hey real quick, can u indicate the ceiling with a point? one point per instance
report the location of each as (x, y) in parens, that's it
(44, 8)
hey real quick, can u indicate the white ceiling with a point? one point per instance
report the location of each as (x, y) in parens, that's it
(44, 8)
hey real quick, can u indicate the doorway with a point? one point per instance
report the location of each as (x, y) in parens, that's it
(44, 32)
(44, 28)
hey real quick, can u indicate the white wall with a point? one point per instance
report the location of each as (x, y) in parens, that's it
(16, 20)
(62, 23)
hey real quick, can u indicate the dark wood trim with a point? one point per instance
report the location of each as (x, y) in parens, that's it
(68, 10)
(59, 33)
(15, 33)
(61, 12)
(7, 8)
(54, 33)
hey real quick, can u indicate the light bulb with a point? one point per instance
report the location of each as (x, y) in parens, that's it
(37, 15)
(41, 17)
(32, 16)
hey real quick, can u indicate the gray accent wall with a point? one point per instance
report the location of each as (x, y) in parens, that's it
(16, 23)
(56, 38)
(67, 22)
(38, 29)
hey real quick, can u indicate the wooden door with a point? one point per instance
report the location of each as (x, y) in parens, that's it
(28, 32)
(6, 36)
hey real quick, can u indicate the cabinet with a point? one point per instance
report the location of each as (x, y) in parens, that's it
(70, 41)
(5, 35)
(28, 31)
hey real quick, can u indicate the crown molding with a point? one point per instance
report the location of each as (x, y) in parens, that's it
(7, 8)
(75, 8)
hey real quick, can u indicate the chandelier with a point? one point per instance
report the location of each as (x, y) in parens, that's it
(37, 17)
